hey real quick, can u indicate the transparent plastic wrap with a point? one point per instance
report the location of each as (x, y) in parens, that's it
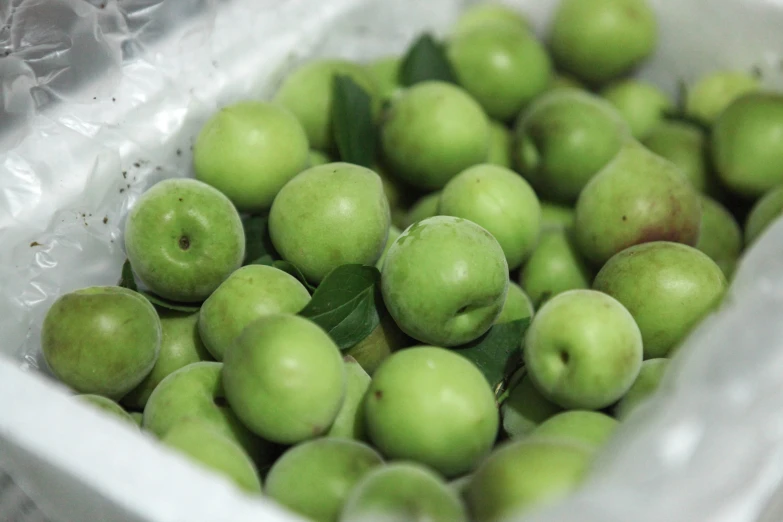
(100, 99)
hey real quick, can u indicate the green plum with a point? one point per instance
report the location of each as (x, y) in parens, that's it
(284, 378)
(557, 217)
(403, 492)
(445, 281)
(517, 306)
(315, 478)
(307, 93)
(499, 200)
(489, 15)
(449, 392)
(721, 236)
(642, 104)
(385, 72)
(525, 408)
(318, 158)
(349, 423)
(394, 233)
(425, 207)
(180, 345)
(747, 144)
(646, 383)
(251, 292)
(183, 238)
(433, 131)
(763, 214)
(685, 145)
(386, 339)
(713, 93)
(583, 350)
(102, 340)
(499, 145)
(600, 40)
(138, 417)
(588, 427)
(565, 81)
(563, 139)
(108, 406)
(667, 287)
(638, 197)
(329, 216)
(248, 151)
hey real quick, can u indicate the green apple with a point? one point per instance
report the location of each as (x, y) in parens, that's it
(642, 104)
(667, 287)
(385, 72)
(101, 340)
(318, 158)
(315, 478)
(394, 233)
(554, 216)
(563, 139)
(460, 485)
(425, 207)
(713, 93)
(588, 427)
(433, 131)
(500, 201)
(637, 198)
(763, 214)
(349, 423)
(502, 67)
(644, 386)
(600, 40)
(499, 145)
(403, 492)
(721, 236)
(583, 350)
(180, 345)
(248, 151)
(329, 216)
(251, 292)
(517, 306)
(386, 339)
(206, 445)
(284, 378)
(522, 475)
(307, 92)
(554, 267)
(747, 144)
(445, 281)
(183, 238)
(525, 408)
(138, 418)
(685, 145)
(449, 392)
(489, 15)
(196, 392)
(108, 406)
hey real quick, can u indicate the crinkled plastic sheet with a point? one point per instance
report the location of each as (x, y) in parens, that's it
(102, 98)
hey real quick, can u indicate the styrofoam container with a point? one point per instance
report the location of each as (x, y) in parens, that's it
(101, 99)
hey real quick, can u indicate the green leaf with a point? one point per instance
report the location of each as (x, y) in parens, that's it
(126, 279)
(257, 241)
(344, 304)
(353, 123)
(497, 353)
(426, 61)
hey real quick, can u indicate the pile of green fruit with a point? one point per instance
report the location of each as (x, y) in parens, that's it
(430, 287)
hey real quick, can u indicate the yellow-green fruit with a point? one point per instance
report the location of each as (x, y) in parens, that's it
(108, 406)
(721, 236)
(485, 15)
(517, 306)
(642, 104)
(425, 207)
(763, 214)
(591, 428)
(349, 423)
(385, 73)
(525, 408)
(711, 95)
(685, 145)
(499, 145)
(644, 386)
(386, 339)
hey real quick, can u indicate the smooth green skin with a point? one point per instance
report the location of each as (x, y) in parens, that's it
(433, 131)
(307, 93)
(385, 74)
(499, 145)
(557, 217)
(180, 345)
(380, 344)
(517, 306)
(109, 406)
(589, 427)
(763, 214)
(525, 408)
(248, 151)
(425, 207)
(203, 444)
(251, 292)
(319, 158)
(522, 475)
(747, 144)
(183, 238)
(583, 350)
(565, 81)
(315, 478)
(638, 197)
(196, 392)
(685, 145)
(489, 15)
(101, 340)
(721, 236)
(500, 201)
(646, 383)
(445, 389)
(554, 267)
(503, 68)
(642, 104)
(667, 287)
(460, 485)
(138, 418)
(716, 91)
(403, 492)
(600, 40)
(394, 233)
(349, 423)
(563, 139)
(328, 216)
(445, 281)
(284, 378)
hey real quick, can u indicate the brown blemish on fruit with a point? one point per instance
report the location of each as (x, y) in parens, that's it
(378, 394)
(184, 242)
